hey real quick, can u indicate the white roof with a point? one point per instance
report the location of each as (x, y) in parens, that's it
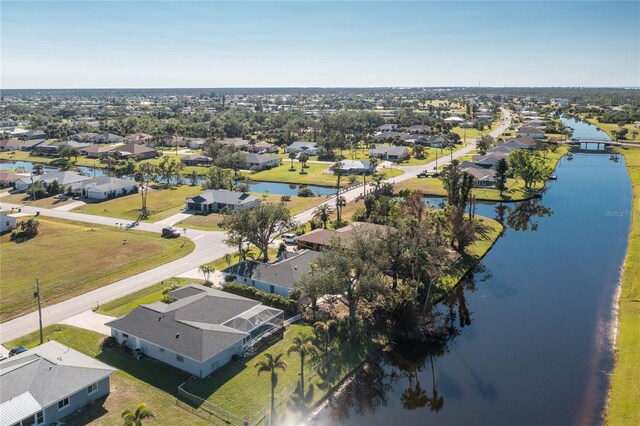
(17, 408)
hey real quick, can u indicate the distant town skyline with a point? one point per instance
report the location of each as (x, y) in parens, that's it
(319, 44)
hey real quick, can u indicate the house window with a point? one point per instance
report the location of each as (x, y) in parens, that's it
(180, 358)
(91, 389)
(272, 289)
(40, 417)
(63, 403)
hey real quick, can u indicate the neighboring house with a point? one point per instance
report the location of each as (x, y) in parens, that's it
(388, 128)
(197, 160)
(261, 162)
(278, 278)
(391, 153)
(531, 132)
(199, 332)
(237, 143)
(66, 179)
(31, 144)
(8, 179)
(33, 134)
(490, 160)
(485, 118)
(196, 143)
(83, 136)
(321, 238)
(310, 148)
(49, 149)
(139, 138)
(434, 141)
(96, 151)
(139, 152)
(105, 187)
(11, 144)
(420, 128)
(353, 167)
(8, 123)
(49, 382)
(215, 200)
(454, 120)
(390, 136)
(482, 177)
(106, 138)
(263, 148)
(7, 221)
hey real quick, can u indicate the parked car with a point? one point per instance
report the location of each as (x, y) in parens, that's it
(170, 232)
(423, 174)
(289, 238)
(17, 350)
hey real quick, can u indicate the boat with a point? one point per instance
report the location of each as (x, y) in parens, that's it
(553, 177)
(569, 156)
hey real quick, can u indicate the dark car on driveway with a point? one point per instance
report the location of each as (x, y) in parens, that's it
(17, 350)
(170, 232)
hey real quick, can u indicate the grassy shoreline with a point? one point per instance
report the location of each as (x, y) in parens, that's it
(624, 392)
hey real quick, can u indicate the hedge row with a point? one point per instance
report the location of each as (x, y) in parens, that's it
(289, 306)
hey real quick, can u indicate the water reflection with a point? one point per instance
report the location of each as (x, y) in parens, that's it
(521, 216)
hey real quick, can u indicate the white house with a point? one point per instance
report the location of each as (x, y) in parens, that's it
(105, 187)
(202, 330)
(7, 221)
(261, 162)
(391, 153)
(530, 132)
(353, 167)
(310, 148)
(65, 179)
(215, 200)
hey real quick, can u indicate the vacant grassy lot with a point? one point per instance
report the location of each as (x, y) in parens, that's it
(624, 395)
(238, 389)
(26, 156)
(135, 381)
(608, 127)
(124, 305)
(48, 203)
(70, 258)
(162, 202)
(313, 176)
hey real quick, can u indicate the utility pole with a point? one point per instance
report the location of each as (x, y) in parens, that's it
(36, 293)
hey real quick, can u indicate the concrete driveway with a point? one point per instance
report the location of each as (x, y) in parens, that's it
(90, 320)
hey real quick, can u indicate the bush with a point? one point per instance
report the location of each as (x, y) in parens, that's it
(289, 306)
(109, 342)
(285, 198)
(304, 191)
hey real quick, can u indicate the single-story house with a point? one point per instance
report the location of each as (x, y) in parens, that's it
(237, 143)
(197, 160)
(391, 153)
(261, 162)
(8, 179)
(390, 136)
(196, 143)
(485, 118)
(262, 148)
(33, 134)
(482, 177)
(30, 144)
(45, 384)
(8, 123)
(107, 138)
(454, 120)
(434, 141)
(215, 200)
(96, 151)
(420, 128)
(321, 238)
(139, 138)
(278, 278)
(66, 179)
(353, 167)
(7, 221)
(523, 143)
(11, 144)
(168, 141)
(105, 187)
(140, 152)
(310, 148)
(387, 128)
(201, 331)
(490, 160)
(531, 132)
(83, 136)
(47, 149)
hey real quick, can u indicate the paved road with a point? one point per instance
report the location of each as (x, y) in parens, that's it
(209, 247)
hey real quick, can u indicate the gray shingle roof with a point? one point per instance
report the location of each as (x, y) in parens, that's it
(223, 196)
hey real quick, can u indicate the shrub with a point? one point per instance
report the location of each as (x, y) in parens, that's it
(289, 306)
(109, 342)
(285, 198)
(304, 191)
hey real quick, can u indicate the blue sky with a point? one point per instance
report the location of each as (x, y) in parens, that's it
(282, 44)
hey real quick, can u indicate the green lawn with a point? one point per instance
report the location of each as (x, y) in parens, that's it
(71, 258)
(162, 202)
(49, 202)
(238, 389)
(135, 381)
(624, 394)
(608, 127)
(124, 305)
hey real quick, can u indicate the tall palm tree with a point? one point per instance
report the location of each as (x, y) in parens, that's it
(206, 271)
(292, 156)
(324, 328)
(271, 365)
(303, 344)
(135, 418)
(323, 213)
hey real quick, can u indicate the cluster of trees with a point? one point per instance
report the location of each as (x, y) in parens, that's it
(529, 166)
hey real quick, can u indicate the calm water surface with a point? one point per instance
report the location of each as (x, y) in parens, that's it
(582, 129)
(533, 345)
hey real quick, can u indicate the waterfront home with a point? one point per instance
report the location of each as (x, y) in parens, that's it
(390, 153)
(531, 132)
(105, 187)
(310, 148)
(319, 238)
(353, 167)
(261, 162)
(197, 160)
(106, 138)
(8, 179)
(278, 278)
(482, 177)
(11, 144)
(28, 145)
(490, 160)
(49, 382)
(48, 149)
(201, 331)
(139, 152)
(64, 179)
(8, 221)
(216, 200)
(96, 151)
(387, 128)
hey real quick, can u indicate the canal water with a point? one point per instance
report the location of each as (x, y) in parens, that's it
(583, 129)
(257, 187)
(532, 342)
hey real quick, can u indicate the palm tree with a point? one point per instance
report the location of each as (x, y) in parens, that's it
(271, 365)
(206, 272)
(324, 328)
(135, 418)
(303, 158)
(323, 213)
(303, 344)
(292, 156)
